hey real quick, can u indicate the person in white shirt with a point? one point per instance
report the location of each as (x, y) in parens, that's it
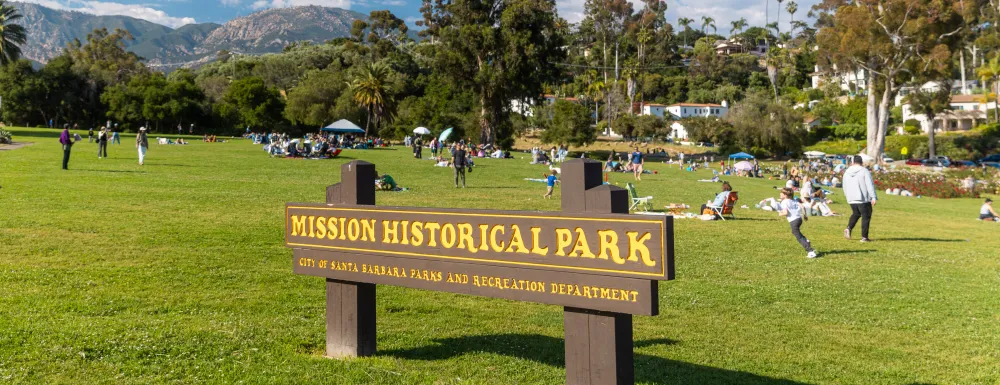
(792, 210)
(986, 212)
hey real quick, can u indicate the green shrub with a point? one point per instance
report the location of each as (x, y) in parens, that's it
(850, 131)
(6, 137)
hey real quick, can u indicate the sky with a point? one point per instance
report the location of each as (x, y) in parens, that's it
(175, 13)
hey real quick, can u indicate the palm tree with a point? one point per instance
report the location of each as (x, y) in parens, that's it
(12, 35)
(792, 7)
(779, 14)
(931, 103)
(991, 71)
(371, 92)
(707, 22)
(686, 23)
(742, 22)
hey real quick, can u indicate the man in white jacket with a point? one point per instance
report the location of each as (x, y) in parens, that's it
(860, 192)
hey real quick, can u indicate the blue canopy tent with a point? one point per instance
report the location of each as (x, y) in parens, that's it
(344, 126)
(741, 155)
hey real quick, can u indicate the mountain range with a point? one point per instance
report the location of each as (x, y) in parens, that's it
(270, 30)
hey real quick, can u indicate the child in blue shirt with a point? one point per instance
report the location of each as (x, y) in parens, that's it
(550, 181)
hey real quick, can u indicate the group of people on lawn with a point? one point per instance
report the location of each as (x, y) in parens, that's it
(67, 140)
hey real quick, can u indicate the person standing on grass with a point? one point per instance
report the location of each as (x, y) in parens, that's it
(141, 143)
(792, 210)
(90, 135)
(102, 143)
(114, 135)
(459, 161)
(67, 144)
(680, 159)
(637, 164)
(860, 192)
(550, 182)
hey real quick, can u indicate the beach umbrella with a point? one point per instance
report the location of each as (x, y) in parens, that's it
(743, 166)
(814, 154)
(444, 135)
(421, 131)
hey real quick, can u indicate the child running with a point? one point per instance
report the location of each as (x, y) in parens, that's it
(550, 181)
(792, 210)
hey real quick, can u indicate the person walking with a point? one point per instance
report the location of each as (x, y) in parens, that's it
(859, 189)
(102, 143)
(459, 161)
(141, 143)
(792, 210)
(114, 135)
(66, 139)
(90, 135)
(550, 183)
(637, 164)
(680, 159)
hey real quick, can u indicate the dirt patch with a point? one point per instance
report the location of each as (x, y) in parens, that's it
(16, 145)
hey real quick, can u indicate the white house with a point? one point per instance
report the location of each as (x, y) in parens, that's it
(932, 86)
(848, 80)
(688, 110)
(678, 111)
(967, 111)
(525, 107)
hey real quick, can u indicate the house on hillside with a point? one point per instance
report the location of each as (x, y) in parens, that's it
(967, 112)
(678, 111)
(850, 81)
(932, 86)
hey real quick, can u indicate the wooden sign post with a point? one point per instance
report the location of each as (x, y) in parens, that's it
(601, 264)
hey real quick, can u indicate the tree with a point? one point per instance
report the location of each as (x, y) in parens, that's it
(503, 50)
(792, 7)
(371, 92)
(931, 103)
(990, 71)
(314, 102)
(686, 23)
(251, 103)
(12, 35)
(708, 22)
(765, 125)
(889, 40)
(777, 23)
(570, 123)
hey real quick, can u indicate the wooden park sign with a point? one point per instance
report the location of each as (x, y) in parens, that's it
(593, 258)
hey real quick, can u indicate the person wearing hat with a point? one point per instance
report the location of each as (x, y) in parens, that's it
(102, 143)
(141, 143)
(986, 213)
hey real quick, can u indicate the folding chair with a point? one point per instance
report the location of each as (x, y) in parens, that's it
(727, 206)
(637, 200)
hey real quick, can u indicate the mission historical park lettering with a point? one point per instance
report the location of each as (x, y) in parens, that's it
(511, 248)
(593, 258)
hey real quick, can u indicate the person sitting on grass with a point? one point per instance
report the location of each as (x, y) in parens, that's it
(986, 212)
(792, 210)
(550, 182)
(720, 198)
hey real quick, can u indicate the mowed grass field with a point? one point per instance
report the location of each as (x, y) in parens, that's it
(175, 273)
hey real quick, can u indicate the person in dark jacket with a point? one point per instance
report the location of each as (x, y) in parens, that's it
(141, 143)
(102, 143)
(67, 144)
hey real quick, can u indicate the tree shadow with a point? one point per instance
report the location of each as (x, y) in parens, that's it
(833, 252)
(920, 240)
(54, 133)
(114, 171)
(551, 351)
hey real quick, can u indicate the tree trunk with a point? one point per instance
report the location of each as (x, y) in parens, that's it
(871, 114)
(930, 135)
(877, 148)
(996, 105)
(961, 63)
(485, 133)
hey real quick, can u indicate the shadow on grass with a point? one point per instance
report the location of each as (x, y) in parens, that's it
(833, 252)
(919, 240)
(551, 351)
(129, 171)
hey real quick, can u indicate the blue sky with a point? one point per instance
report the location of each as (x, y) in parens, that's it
(175, 13)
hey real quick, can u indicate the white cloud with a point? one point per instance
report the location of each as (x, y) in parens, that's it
(723, 11)
(345, 4)
(230, 3)
(101, 8)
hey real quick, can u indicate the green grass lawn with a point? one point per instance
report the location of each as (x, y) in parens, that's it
(175, 272)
